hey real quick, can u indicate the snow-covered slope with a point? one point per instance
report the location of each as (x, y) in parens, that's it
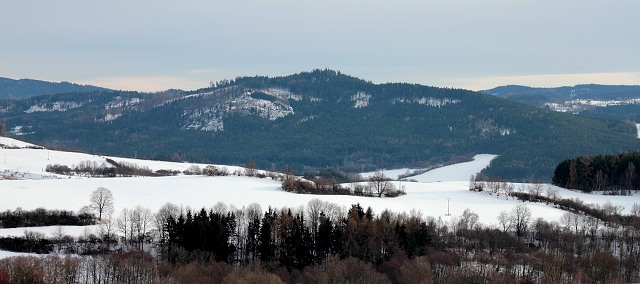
(13, 143)
(20, 160)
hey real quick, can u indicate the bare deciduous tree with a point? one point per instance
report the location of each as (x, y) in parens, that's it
(380, 184)
(504, 220)
(140, 221)
(535, 189)
(315, 208)
(123, 223)
(101, 201)
(250, 168)
(161, 217)
(635, 209)
(520, 218)
(468, 220)
(552, 193)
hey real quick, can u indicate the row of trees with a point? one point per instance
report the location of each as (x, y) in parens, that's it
(92, 168)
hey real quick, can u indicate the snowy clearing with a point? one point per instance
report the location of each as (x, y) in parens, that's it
(7, 254)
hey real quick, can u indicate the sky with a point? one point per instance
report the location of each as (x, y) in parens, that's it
(154, 45)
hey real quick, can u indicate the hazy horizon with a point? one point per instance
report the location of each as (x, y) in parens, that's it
(155, 45)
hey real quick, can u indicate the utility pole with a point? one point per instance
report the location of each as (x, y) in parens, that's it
(448, 212)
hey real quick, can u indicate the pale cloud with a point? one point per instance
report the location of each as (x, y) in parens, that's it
(151, 45)
(147, 83)
(201, 78)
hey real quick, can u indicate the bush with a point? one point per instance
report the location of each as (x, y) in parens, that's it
(215, 171)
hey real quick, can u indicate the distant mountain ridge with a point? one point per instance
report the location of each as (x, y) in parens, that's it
(317, 119)
(24, 88)
(585, 91)
(604, 101)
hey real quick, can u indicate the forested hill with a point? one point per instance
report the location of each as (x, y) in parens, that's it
(318, 119)
(24, 88)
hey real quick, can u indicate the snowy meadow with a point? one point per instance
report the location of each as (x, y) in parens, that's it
(440, 193)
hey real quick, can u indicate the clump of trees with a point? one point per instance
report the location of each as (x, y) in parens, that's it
(42, 217)
(215, 171)
(613, 174)
(378, 185)
(32, 242)
(295, 240)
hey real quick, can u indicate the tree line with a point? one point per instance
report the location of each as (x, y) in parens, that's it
(377, 185)
(113, 169)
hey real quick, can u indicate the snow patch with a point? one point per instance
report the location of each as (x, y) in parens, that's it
(211, 118)
(430, 101)
(111, 117)
(361, 99)
(118, 102)
(55, 106)
(282, 94)
(19, 130)
(205, 119)
(50, 231)
(7, 254)
(307, 118)
(578, 105)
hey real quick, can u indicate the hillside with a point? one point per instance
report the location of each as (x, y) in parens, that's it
(314, 120)
(24, 88)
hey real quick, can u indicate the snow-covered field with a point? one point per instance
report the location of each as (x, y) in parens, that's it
(437, 192)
